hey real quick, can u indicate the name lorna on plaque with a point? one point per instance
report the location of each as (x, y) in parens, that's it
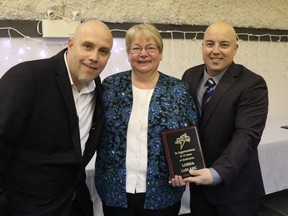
(183, 150)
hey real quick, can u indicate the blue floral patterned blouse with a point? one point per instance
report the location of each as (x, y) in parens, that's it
(170, 107)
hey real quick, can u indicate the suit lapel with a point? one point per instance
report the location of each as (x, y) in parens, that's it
(67, 95)
(197, 76)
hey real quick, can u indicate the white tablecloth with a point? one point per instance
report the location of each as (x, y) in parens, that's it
(273, 153)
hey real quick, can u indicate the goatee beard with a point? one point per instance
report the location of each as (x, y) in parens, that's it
(83, 80)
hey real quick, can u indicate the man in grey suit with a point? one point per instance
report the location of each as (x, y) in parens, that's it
(51, 116)
(231, 122)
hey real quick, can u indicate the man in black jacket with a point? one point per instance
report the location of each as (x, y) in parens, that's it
(50, 121)
(231, 122)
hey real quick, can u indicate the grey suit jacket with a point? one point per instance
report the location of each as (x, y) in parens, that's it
(230, 132)
(41, 165)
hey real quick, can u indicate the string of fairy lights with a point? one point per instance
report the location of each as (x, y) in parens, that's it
(268, 58)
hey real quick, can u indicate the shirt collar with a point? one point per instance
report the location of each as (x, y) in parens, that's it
(216, 78)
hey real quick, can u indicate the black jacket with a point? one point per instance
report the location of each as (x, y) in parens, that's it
(41, 165)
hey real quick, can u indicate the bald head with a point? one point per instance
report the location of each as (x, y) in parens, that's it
(95, 28)
(221, 27)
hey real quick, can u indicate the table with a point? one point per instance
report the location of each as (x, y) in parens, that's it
(273, 152)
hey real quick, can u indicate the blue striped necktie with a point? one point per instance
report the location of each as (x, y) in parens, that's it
(210, 86)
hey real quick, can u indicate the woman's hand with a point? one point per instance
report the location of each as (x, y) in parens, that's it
(177, 181)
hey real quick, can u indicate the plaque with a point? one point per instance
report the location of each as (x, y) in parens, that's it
(183, 150)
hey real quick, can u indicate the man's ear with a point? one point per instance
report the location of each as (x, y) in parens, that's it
(70, 42)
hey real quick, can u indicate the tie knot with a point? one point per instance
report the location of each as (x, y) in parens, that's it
(210, 83)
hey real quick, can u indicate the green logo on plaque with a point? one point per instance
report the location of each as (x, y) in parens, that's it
(182, 140)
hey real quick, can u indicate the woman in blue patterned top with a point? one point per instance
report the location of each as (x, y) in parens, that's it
(131, 174)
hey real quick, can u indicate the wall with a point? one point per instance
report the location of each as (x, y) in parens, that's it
(271, 14)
